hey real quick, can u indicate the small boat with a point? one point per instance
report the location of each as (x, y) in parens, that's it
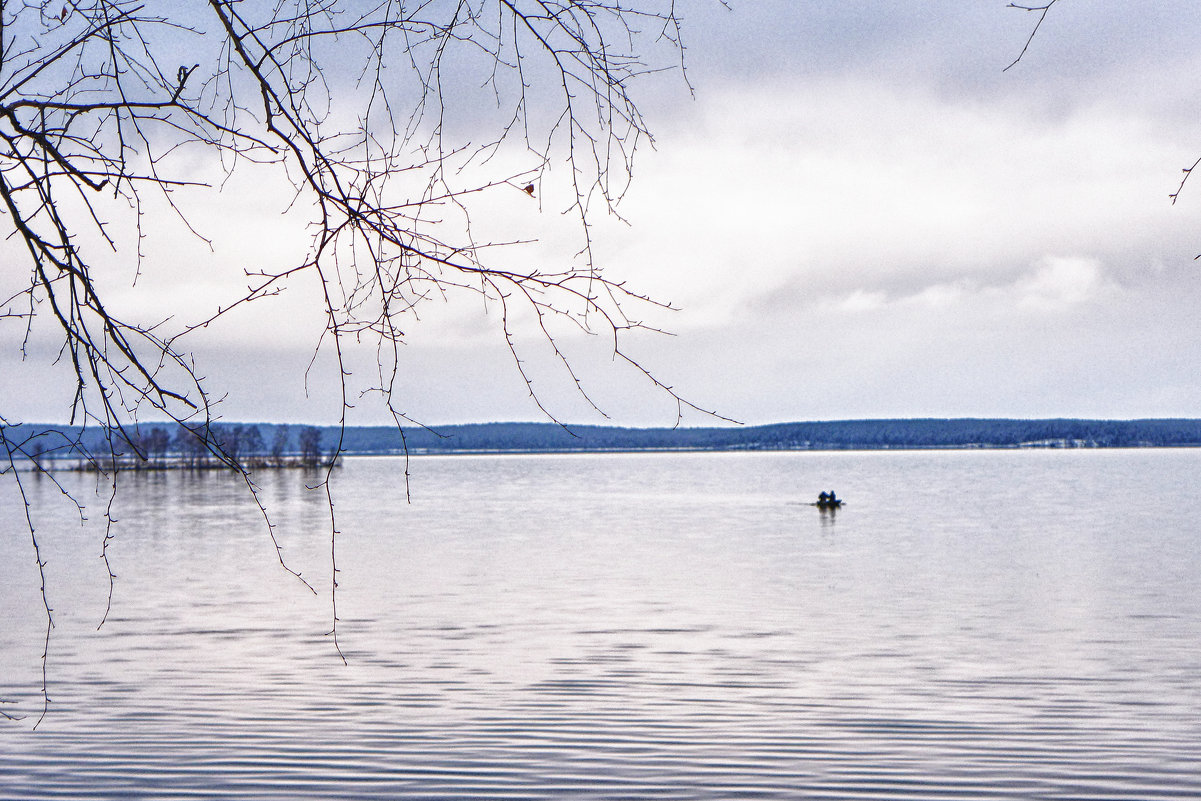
(828, 500)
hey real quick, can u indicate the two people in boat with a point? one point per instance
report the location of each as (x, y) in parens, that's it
(828, 499)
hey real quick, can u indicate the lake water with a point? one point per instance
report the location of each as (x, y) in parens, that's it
(1013, 624)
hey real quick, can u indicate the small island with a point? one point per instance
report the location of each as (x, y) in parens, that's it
(159, 447)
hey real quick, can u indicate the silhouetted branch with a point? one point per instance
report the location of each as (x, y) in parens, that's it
(1042, 15)
(1188, 172)
(106, 105)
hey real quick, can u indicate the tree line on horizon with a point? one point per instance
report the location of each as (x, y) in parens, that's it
(278, 445)
(818, 435)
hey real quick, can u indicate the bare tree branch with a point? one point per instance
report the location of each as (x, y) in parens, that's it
(1042, 12)
(107, 105)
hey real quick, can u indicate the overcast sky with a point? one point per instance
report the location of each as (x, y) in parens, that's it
(859, 214)
(865, 216)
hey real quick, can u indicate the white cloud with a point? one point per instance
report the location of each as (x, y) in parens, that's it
(1052, 285)
(860, 185)
(1061, 283)
(861, 301)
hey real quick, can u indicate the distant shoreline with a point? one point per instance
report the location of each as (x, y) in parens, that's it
(256, 443)
(824, 449)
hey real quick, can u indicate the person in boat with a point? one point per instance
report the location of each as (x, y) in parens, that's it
(828, 500)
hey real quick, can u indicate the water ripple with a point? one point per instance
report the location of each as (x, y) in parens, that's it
(700, 639)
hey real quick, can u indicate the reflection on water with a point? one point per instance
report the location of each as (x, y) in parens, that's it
(971, 625)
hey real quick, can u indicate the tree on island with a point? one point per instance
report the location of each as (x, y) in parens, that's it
(309, 445)
(396, 128)
(279, 444)
(252, 442)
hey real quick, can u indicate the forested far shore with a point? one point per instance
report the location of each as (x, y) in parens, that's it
(269, 444)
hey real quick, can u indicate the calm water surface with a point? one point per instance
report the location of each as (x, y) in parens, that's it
(971, 625)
